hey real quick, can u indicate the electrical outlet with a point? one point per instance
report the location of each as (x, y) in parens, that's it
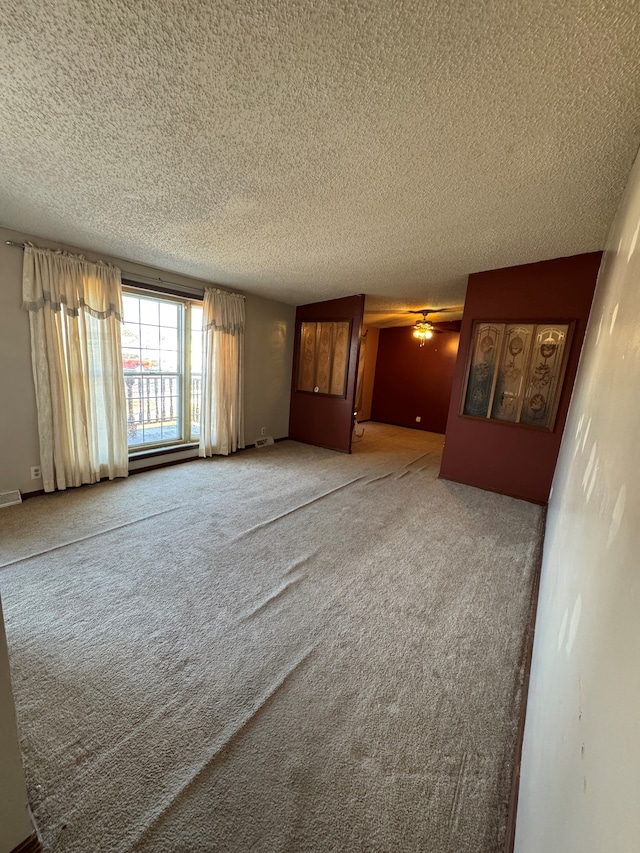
(418, 419)
(263, 430)
(35, 472)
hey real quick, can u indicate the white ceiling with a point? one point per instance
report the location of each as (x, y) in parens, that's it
(312, 149)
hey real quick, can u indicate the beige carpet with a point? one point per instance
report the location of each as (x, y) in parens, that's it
(287, 650)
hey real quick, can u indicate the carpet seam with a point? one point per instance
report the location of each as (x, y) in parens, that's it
(219, 750)
(89, 536)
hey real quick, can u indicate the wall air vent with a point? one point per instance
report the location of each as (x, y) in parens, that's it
(10, 498)
(263, 442)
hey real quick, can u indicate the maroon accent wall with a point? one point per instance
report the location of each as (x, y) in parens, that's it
(318, 419)
(412, 380)
(502, 457)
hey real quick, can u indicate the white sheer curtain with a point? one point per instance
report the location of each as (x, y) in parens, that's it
(75, 315)
(222, 418)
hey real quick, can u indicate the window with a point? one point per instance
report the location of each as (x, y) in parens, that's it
(162, 365)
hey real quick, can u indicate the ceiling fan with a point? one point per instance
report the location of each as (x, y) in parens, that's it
(424, 329)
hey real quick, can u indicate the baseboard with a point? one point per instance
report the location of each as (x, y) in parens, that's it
(106, 479)
(495, 491)
(162, 465)
(526, 655)
(32, 844)
(145, 468)
(412, 425)
(35, 494)
(136, 455)
(275, 441)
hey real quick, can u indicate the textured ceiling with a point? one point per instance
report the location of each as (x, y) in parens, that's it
(312, 149)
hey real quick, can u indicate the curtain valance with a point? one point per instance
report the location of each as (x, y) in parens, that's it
(76, 355)
(222, 418)
(60, 279)
(223, 311)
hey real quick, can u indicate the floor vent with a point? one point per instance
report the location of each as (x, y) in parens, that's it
(263, 442)
(10, 498)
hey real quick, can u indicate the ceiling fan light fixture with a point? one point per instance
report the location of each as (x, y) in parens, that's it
(423, 331)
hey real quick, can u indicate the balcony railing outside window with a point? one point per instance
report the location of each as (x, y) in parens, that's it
(196, 400)
(161, 374)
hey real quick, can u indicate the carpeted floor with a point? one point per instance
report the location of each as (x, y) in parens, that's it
(286, 650)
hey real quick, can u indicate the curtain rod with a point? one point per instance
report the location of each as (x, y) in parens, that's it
(156, 280)
(151, 278)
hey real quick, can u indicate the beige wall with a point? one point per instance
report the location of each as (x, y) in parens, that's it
(268, 358)
(371, 356)
(15, 824)
(581, 757)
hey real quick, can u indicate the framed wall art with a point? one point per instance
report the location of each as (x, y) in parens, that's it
(515, 371)
(324, 358)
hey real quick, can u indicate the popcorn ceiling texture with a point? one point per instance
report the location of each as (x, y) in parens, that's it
(308, 150)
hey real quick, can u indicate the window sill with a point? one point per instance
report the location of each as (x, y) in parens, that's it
(150, 452)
